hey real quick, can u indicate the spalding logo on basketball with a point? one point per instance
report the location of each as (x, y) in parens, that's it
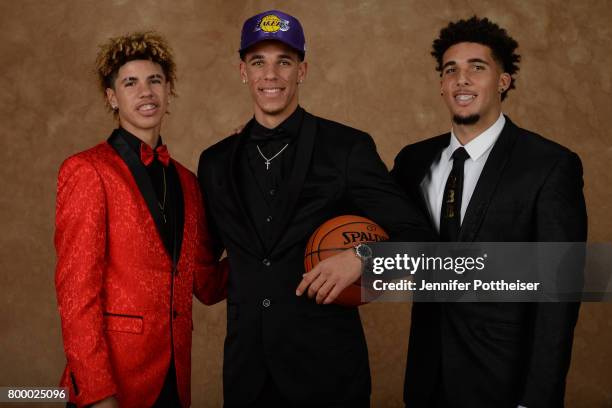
(337, 235)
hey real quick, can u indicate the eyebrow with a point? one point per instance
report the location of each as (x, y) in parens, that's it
(256, 56)
(280, 56)
(471, 61)
(127, 79)
(131, 78)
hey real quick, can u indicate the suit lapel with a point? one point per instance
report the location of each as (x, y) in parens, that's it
(181, 212)
(140, 176)
(422, 165)
(487, 183)
(295, 181)
(234, 172)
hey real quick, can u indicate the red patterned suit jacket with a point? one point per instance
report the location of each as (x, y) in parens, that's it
(123, 313)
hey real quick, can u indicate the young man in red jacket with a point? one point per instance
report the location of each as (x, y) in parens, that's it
(132, 244)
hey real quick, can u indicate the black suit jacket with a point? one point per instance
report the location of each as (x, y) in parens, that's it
(499, 354)
(316, 354)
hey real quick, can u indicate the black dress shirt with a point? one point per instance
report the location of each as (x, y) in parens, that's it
(172, 204)
(270, 142)
(263, 186)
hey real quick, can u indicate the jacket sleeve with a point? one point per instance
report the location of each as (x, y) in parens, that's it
(210, 275)
(561, 217)
(373, 191)
(80, 241)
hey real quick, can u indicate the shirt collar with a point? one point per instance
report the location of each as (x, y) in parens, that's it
(133, 141)
(481, 143)
(289, 127)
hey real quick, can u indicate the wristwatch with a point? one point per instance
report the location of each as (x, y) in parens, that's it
(364, 253)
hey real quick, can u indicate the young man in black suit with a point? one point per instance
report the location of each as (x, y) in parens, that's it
(266, 190)
(510, 185)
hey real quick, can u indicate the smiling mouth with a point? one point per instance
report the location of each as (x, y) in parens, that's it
(147, 107)
(271, 91)
(464, 99)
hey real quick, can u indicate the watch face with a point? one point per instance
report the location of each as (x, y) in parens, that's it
(364, 251)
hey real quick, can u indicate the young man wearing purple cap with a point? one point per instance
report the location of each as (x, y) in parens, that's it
(266, 190)
(512, 186)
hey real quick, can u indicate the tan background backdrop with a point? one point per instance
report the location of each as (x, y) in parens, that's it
(369, 67)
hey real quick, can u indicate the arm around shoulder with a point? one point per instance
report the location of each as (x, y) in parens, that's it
(375, 192)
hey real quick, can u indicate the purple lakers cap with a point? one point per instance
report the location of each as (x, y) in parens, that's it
(273, 25)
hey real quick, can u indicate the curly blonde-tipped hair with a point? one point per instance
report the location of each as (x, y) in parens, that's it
(147, 45)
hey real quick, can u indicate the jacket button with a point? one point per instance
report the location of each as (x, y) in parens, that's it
(269, 218)
(272, 191)
(174, 314)
(266, 262)
(266, 303)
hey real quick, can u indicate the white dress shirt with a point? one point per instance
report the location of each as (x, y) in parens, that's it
(434, 181)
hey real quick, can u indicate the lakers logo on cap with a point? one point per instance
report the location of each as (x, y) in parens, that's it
(271, 24)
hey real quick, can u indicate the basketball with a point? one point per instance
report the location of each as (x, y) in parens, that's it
(336, 235)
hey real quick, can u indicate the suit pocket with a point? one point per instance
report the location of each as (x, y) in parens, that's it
(123, 323)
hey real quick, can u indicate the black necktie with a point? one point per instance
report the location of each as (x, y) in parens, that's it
(450, 216)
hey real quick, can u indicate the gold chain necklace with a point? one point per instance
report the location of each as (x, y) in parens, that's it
(162, 207)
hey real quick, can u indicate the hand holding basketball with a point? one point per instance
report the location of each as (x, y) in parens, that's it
(333, 269)
(331, 276)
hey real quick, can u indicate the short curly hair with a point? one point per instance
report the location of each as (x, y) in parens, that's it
(140, 45)
(482, 31)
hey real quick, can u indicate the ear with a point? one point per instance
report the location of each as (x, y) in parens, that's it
(302, 70)
(111, 98)
(168, 97)
(504, 82)
(243, 72)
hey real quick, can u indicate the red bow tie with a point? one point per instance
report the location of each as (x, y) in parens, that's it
(147, 154)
